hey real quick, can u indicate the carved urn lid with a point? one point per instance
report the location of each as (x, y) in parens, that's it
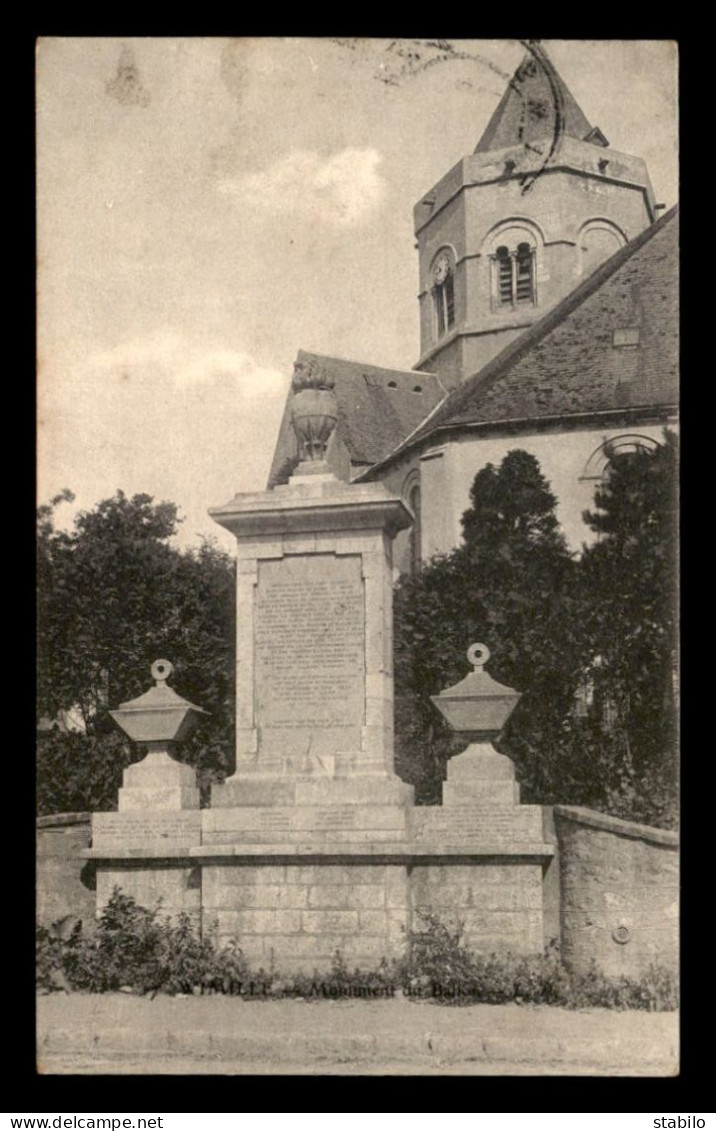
(314, 409)
(478, 704)
(159, 715)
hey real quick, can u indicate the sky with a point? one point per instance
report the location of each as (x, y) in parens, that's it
(207, 207)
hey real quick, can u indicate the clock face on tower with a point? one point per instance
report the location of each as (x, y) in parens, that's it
(441, 269)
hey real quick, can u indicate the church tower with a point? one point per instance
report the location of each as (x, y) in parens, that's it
(515, 226)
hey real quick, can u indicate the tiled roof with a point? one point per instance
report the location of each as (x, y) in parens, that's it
(536, 104)
(582, 357)
(377, 409)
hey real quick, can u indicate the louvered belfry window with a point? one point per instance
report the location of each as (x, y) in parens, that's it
(449, 288)
(523, 274)
(504, 275)
(444, 301)
(515, 282)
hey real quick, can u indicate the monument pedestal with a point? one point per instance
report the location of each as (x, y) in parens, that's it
(314, 645)
(143, 849)
(158, 783)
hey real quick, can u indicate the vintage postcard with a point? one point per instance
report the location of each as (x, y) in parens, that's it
(357, 456)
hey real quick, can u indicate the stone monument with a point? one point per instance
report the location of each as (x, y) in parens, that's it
(313, 844)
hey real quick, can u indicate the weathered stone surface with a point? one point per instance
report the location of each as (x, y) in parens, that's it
(328, 922)
(348, 823)
(158, 782)
(219, 893)
(65, 885)
(357, 790)
(259, 922)
(348, 896)
(337, 874)
(501, 794)
(157, 798)
(150, 829)
(467, 824)
(178, 889)
(620, 893)
(373, 923)
(310, 644)
(159, 770)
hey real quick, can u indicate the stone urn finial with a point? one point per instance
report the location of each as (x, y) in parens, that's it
(160, 716)
(157, 719)
(314, 409)
(478, 705)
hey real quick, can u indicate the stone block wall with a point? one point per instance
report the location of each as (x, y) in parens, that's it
(65, 881)
(175, 888)
(619, 892)
(302, 913)
(500, 904)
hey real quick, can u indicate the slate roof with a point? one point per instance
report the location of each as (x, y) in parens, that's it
(377, 409)
(536, 104)
(569, 363)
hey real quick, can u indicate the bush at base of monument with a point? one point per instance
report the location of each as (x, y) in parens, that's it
(438, 965)
(137, 950)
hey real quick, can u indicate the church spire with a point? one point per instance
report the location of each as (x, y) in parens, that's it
(537, 104)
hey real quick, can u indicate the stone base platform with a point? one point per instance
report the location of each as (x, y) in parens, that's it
(297, 868)
(296, 904)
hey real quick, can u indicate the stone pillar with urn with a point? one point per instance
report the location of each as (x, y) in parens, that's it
(490, 851)
(143, 848)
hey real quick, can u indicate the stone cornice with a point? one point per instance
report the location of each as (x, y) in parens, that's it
(313, 503)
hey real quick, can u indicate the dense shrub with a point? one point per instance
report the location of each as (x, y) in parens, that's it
(134, 948)
(439, 965)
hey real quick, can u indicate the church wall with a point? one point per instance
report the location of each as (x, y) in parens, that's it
(399, 480)
(563, 456)
(477, 349)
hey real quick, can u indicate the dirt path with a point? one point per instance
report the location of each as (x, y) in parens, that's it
(122, 1033)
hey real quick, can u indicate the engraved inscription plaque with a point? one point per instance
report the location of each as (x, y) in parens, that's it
(310, 642)
(468, 825)
(130, 830)
(274, 822)
(337, 817)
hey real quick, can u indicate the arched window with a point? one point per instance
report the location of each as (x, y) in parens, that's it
(598, 240)
(514, 275)
(415, 530)
(598, 464)
(443, 292)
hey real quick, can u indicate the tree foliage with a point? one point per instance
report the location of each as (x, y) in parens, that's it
(113, 596)
(555, 625)
(629, 583)
(509, 585)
